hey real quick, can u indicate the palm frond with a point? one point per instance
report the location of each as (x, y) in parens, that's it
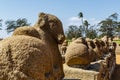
(80, 15)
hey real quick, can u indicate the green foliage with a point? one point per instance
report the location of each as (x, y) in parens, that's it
(107, 27)
(117, 29)
(110, 25)
(114, 16)
(73, 32)
(80, 15)
(84, 26)
(83, 30)
(13, 24)
(0, 24)
(91, 32)
(117, 41)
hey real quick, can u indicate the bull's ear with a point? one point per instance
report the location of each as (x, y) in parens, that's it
(43, 20)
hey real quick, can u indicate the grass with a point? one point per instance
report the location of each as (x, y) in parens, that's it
(117, 41)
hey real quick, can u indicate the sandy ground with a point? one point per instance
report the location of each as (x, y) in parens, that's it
(116, 74)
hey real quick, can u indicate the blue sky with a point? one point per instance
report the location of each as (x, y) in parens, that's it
(65, 10)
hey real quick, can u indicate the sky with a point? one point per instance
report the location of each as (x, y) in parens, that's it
(66, 10)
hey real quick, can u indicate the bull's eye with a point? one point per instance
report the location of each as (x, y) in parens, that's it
(52, 25)
(55, 67)
(47, 74)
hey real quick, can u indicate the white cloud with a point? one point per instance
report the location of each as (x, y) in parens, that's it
(77, 21)
(74, 21)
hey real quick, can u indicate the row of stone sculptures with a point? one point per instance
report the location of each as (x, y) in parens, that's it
(96, 55)
(32, 53)
(84, 51)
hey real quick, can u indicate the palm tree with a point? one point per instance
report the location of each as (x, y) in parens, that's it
(86, 24)
(80, 15)
(12, 24)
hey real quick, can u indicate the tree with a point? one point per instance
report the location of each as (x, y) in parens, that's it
(91, 32)
(80, 15)
(12, 24)
(110, 25)
(86, 24)
(114, 16)
(73, 32)
(117, 29)
(0, 24)
(107, 27)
